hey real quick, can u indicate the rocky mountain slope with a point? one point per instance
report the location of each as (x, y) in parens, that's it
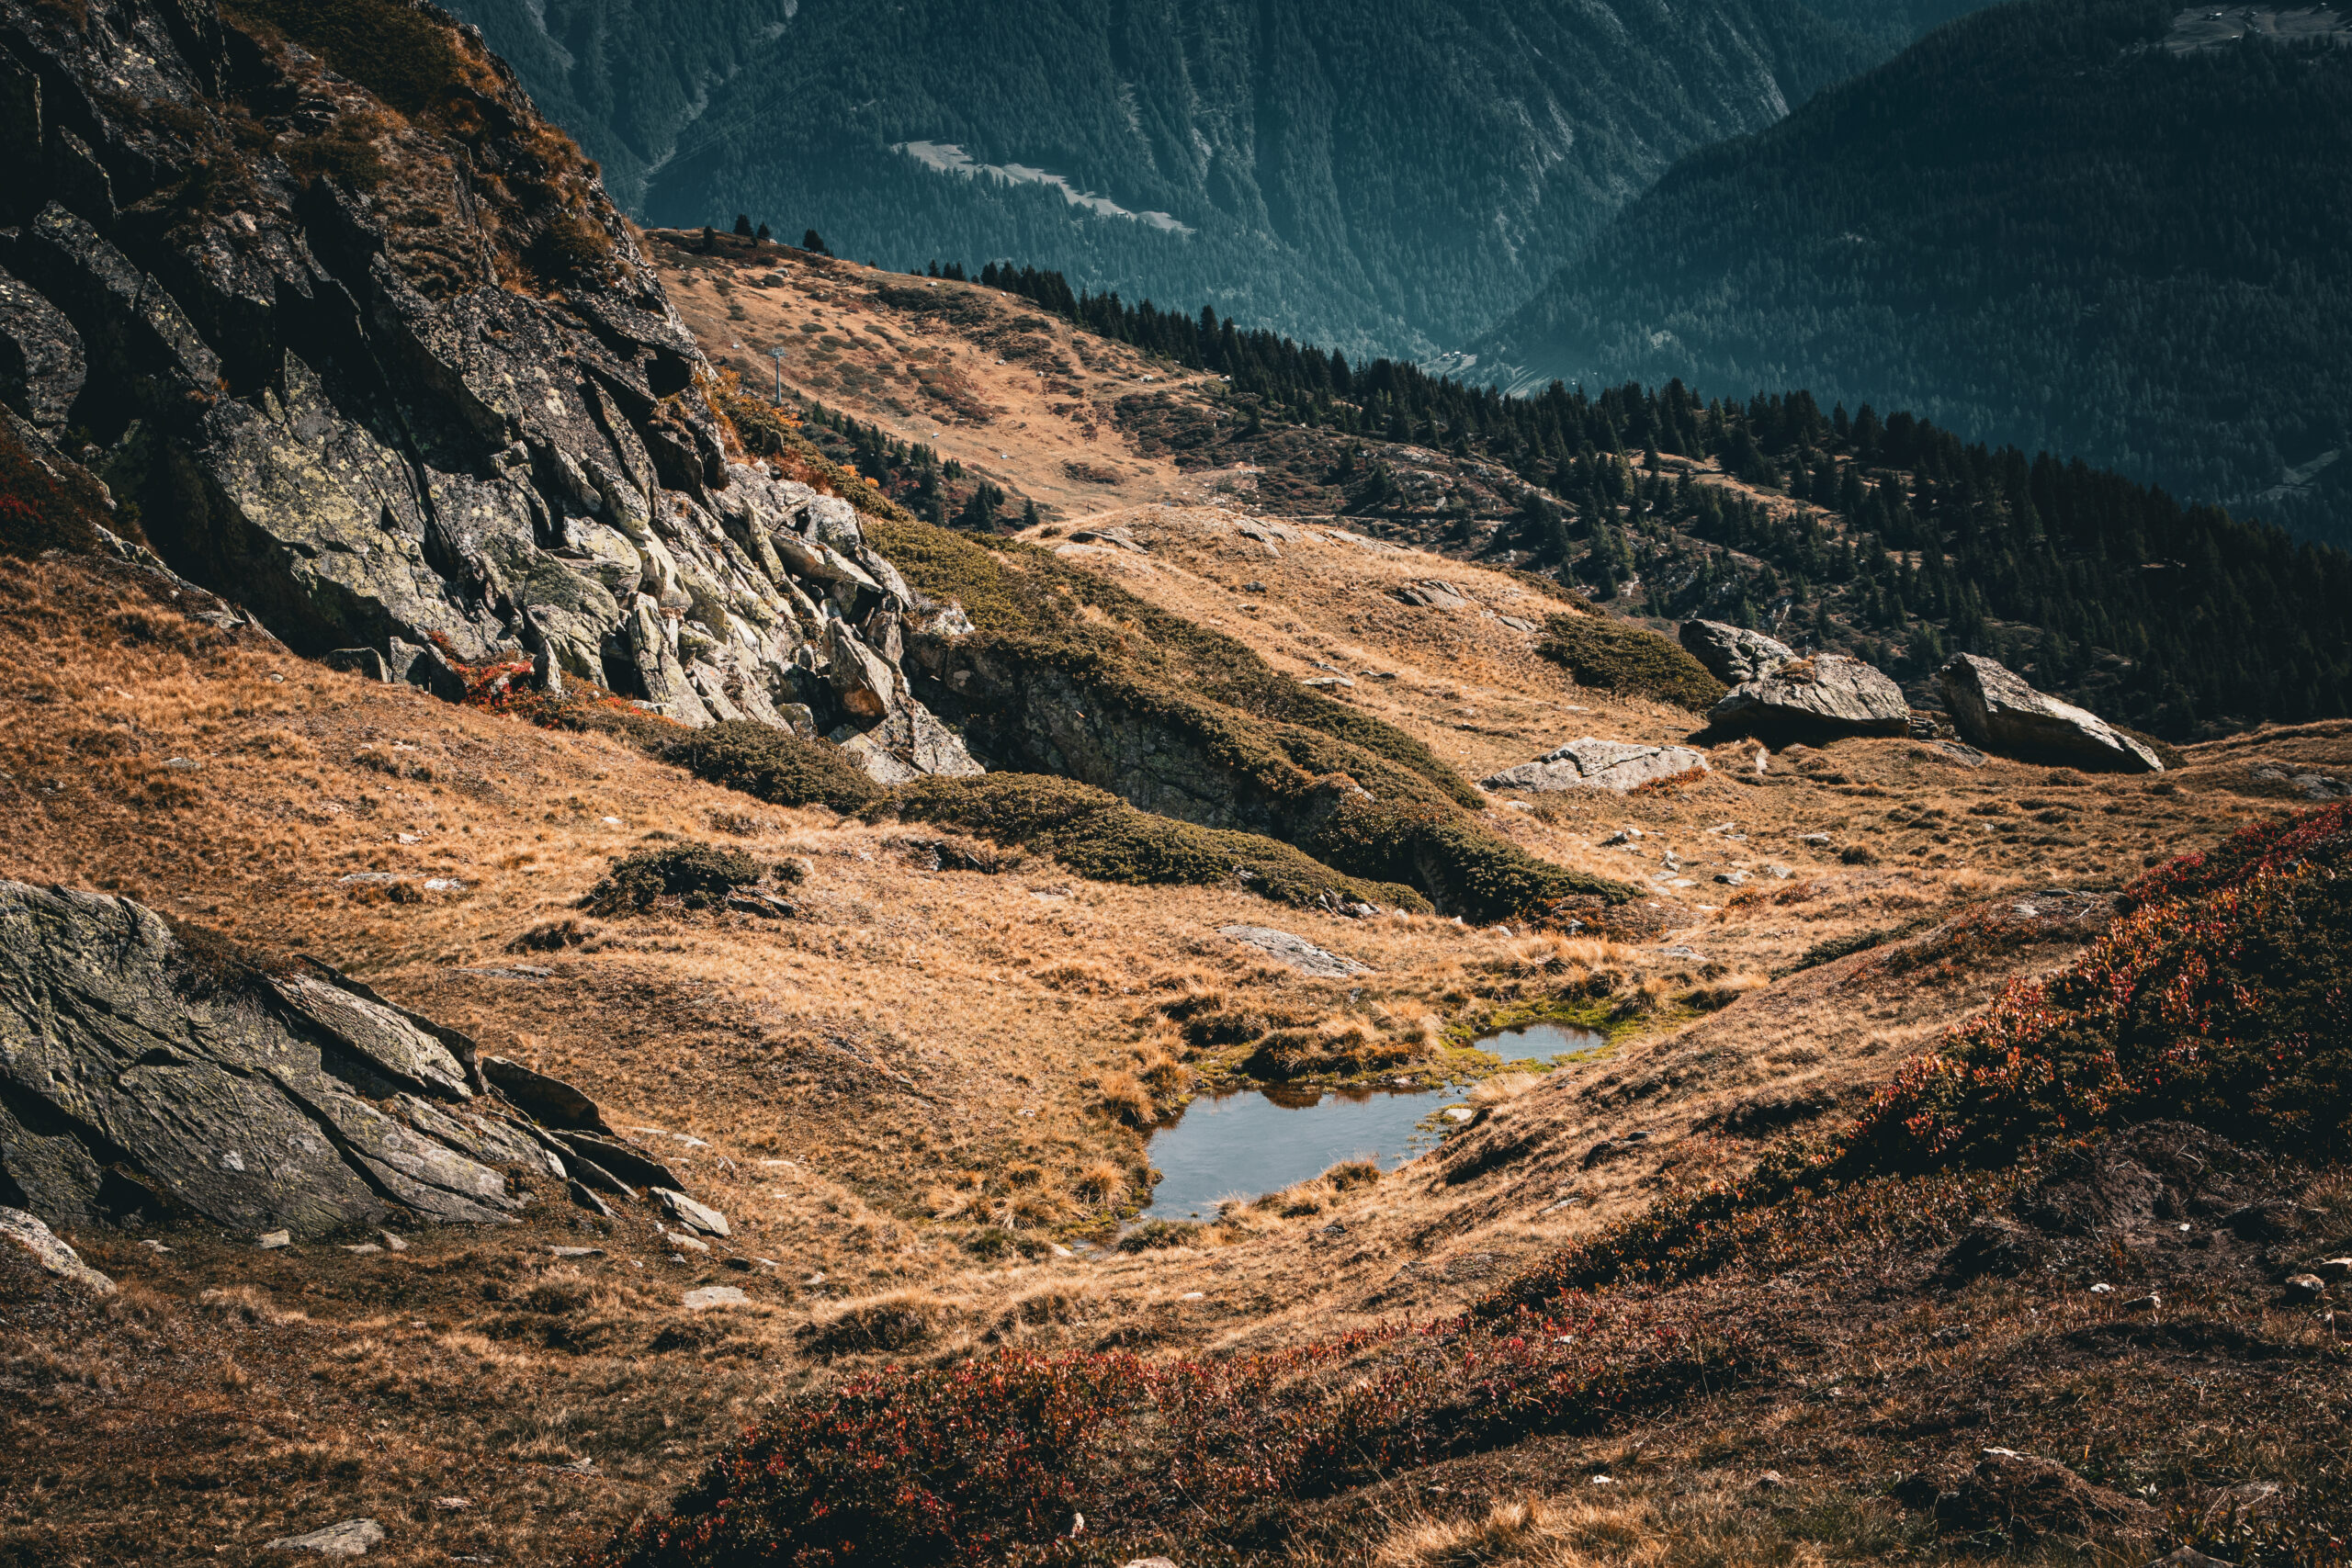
(942, 1061)
(2090, 226)
(478, 1115)
(1876, 536)
(344, 326)
(485, 453)
(1374, 176)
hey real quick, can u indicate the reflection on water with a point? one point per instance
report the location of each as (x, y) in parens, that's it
(1238, 1145)
(1551, 1042)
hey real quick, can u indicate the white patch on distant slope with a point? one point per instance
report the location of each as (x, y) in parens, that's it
(2298, 479)
(949, 159)
(2202, 27)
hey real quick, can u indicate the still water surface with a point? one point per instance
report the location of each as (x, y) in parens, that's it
(1550, 1042)
(1238, 1145)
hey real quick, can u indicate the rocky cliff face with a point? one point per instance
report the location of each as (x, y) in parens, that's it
(357, 340)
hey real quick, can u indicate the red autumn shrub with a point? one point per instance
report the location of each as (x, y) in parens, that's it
(2222, 998)
(990, 1460)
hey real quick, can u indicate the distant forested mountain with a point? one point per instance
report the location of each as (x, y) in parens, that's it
(2089, 225)
(1386, 174)
(628, 77)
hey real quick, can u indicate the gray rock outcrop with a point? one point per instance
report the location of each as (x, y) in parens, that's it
(1826, 695)
(351, 1538)
(1733, 654)
(1590, 763)
(24, 1230)
(145, 1075)
(430, 398)
(1435, 593)
(1994, 707)
(1296, 953)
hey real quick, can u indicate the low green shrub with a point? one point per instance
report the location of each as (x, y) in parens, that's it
(773, 765)
(696, 872)
(1095, 834)
(1464, 866)
(1611, 656)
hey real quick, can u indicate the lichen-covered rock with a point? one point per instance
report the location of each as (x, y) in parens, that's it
(133, 1079)
(1994, 707)
(1826, 696)
(142, 1076)
(1296, 953)
(1591, 763)
(1733, 654)
(24, 1230)
(394, 372)
(41, 365)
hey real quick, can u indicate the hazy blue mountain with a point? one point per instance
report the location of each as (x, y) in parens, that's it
(1393, 173)
(2097, 226)
(625, 77)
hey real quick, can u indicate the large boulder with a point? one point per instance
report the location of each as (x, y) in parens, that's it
(1733, 654)
(1826, 696)
(1994, 707)
(436, 399)
(147, 1077)
(1590, 763)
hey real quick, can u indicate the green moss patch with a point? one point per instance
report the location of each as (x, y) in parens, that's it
(1095, 834)
(1041, 611)
(773, 765)
(1611, 656)
(699, 873)
(1465, 868)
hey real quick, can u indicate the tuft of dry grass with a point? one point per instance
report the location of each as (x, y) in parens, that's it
(1102, 1184)
(901, 1319)
(1125, 1097)
(1533, 1531)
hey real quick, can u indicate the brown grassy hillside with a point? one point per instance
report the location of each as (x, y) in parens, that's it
(924, 1099)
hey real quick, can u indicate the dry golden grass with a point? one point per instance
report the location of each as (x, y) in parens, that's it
(1040, 423)
(1538, 1533)
(921, 1100)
